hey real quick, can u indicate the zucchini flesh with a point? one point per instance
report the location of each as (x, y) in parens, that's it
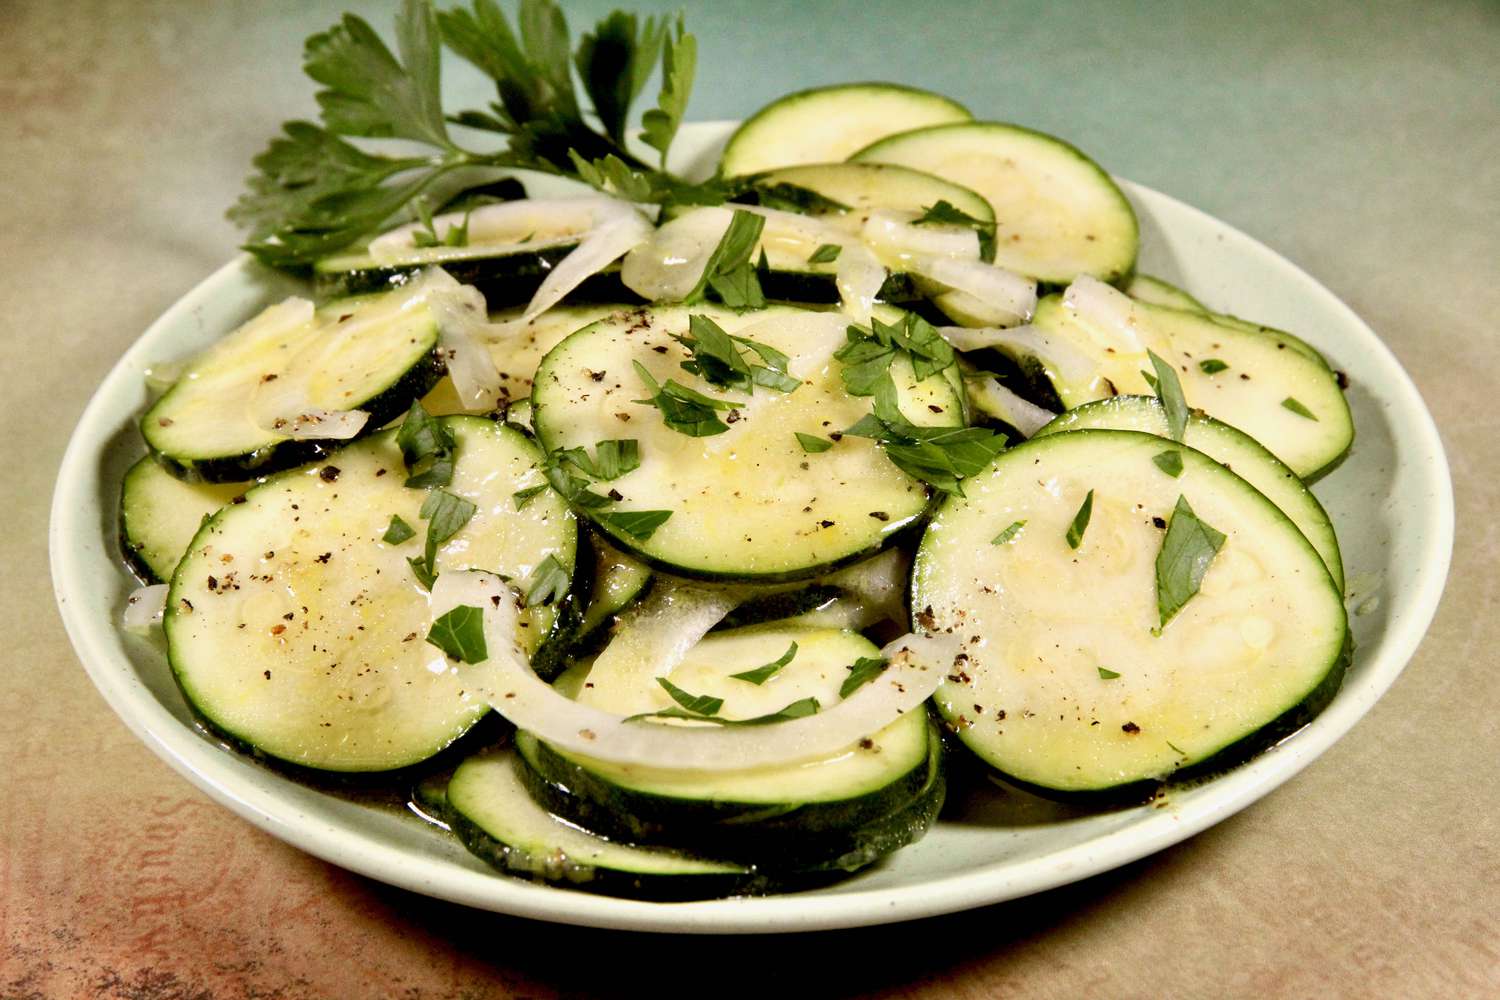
(295, 629)
(160, 514)
(619, 581)
(1232, 449)
(1072, 685)
(749, 503)
(826, 124)
(1057, 213)
(489, 809)
(867, 187)
(376, 354)
(1263, 379)
(1156, 292)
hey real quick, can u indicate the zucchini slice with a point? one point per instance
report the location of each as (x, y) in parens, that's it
(826, 124)
(619, 582)
(1057, 213)
(1073, 685)
(780, 817)
(489, 810)
(1249, 377)
(747, 504)
(1156, 292)
(375, 354)
(160, 514)
(294, 628)
(867, 187)
(1233, 449)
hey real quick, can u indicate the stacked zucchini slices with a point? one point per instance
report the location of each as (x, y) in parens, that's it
(705, 465)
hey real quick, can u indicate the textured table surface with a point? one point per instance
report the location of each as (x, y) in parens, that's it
(1360, 140)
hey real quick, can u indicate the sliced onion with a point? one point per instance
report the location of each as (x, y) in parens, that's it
(1067, 360)
(599, 249)
(813, 231)
(994, 399)
(652, 640)
(917, 665)
(860, 276)
(525, 223)
(877, 584)
(460, 313)
(667, 266)
(145, 607)
(895, 238)
(1012, 297)
(1108, 313)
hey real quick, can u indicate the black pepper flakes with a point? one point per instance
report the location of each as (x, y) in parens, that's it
(329, 473)
(1131, 728)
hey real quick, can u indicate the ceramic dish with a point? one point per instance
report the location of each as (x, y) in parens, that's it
(1391, 503)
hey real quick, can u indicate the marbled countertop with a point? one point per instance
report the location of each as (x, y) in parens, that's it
(1361, 140)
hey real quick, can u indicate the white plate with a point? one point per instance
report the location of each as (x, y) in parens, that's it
(1391, 502)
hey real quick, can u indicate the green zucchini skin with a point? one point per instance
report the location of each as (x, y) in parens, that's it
(840, 835)
(145, 525)
(774, 607)
(414, 383)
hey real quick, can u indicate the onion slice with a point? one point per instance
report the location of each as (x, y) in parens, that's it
(459, 310)
(527, 223)
(599, 249)
(917, 665)
(878, 585)
(667, 266)
(994, 399)
(1067, 360)
(145, 607)
(1011, 297)
(860, 276)
(894, 238)
(1108, 313)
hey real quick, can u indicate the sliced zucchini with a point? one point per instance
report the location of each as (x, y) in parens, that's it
(1156, 292)
(1057, 213)
(296, 629)
(488, 808)
(619, 582)
(748, 503)
(826, 124)
(160, 514)
(1251, 378)
(375, 354)
(779, 817)
(864, 188)
(1233, 449)
(1073, 684)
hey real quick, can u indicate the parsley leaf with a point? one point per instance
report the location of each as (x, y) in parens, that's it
(419, 568)
(1212, 366)
(944, 213)
(679, 61)
(398, 531)
(799, 709)
(825, 254)
(445, 515)
(729, 266)
(524, 497)
(1105, 674)
(718, 361)
(682, 409)
(697, 704)
(762, 674)
(868, 354)
(426, 444)
(1169, 461)
(1186, 552)
(549, 582)
(1169, 391)
(1298, 408)
(812, 444)
(460, 634)
(864, 670)
(939, 456)
(1009, 533)
(614, 61)
(612, 459)
(638, 524)
(1081, 521)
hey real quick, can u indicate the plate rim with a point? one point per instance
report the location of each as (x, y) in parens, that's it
(72, 559)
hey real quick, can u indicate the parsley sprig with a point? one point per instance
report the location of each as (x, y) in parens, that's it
(315, 192)
(942, 457)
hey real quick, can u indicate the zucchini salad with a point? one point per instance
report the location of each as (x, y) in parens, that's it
(673, 537)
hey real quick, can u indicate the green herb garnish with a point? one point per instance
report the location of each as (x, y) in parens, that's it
(729, 273)
(460, 634)
(1009, 533)
(524, 497)
(419, 569)
(946, 214)
(398, 531)
(549, 582)
(717, 359)
(1169, 461)
(684, 410)
(868, 354)
(445, 515)
(427, 448)
(812, 444)
(1081, 521)
(1296, 407)
(1169, 391)
(942, 457)
(1186, 552)
(825, 254)
(638, 524)
(864, 670)
(697, 704)
(1212, 366)
(1105, 674)
(762, 674)
(612, 459)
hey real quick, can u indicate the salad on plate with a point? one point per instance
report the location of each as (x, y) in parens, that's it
(680, 537)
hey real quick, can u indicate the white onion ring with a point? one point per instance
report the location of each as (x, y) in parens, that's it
(860, 276)
(1011, 296)
(994, 399)
(895, 238)
(1067, 360)
(1106, 311)
(599, 249)
(878, 585)
(145, 607)
(459, 310)
(917, 665)
(667, 266)
(499, 224)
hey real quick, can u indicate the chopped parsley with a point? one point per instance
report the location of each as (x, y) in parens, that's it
(1169, 391)
(1081, 521)
(612, 459)
(812, 444)
(1291, 403)
(1106, 674)
(427, 448)
(717, 359)
(825, 254)
(1212, 366)
(638, 524)
(869, 352)
(764, 673)
(1009, 533)
(1187, 549)
(1169, 461)
(684, 410)
(864, 670)
(524, 497)
(460, 634)
(941, 457)
(729, 274)
(398, 531)
(549, 582)
(697, 704)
